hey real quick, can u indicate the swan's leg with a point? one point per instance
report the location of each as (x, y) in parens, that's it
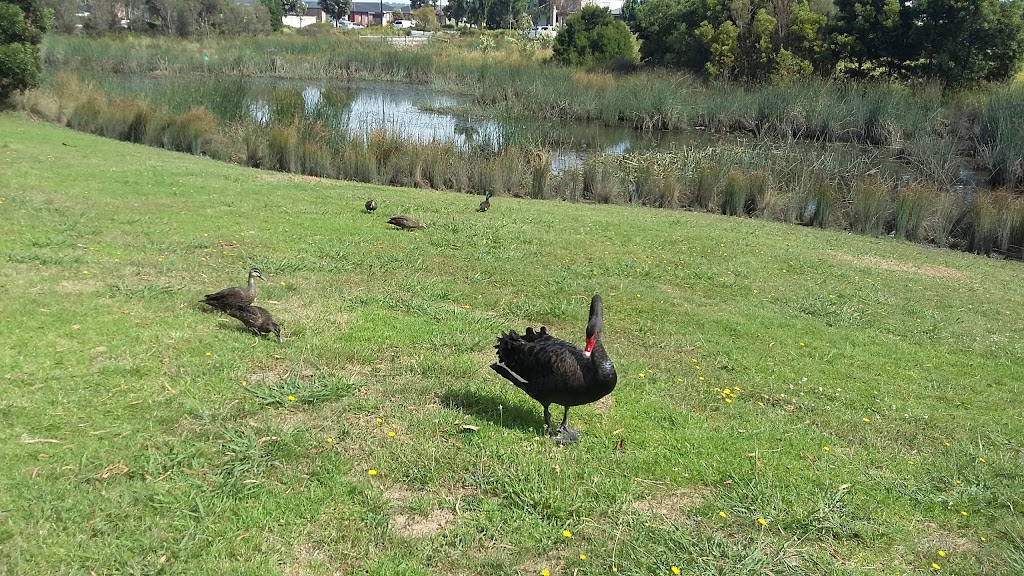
(568, 436)
(547, 419)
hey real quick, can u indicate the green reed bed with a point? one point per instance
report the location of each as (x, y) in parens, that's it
(507, 77)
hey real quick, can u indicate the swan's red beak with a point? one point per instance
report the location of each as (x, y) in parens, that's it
(590, 346)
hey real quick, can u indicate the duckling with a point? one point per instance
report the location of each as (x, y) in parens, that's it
(371, 205)
(229, 297)
(256, 319)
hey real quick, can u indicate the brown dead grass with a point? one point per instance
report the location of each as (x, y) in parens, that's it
(674, 504)
(934, 537)
(420, 527)
(896, 265)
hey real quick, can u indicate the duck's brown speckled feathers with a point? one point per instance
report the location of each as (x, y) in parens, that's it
(405, 222)
(229, 297)
(553, 371)
(256, 319)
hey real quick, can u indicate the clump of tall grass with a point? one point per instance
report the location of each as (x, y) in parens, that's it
(734, 193)
(945, 227)
(601, 182)
(1011, 229)
(540, 174)
(913, 203)
(984, 224)
(1000, 134)
(869, 206)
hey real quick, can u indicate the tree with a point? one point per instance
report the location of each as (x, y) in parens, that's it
(426, 18)
(505, 13)
(65, 16)
(869, 34)
(276, 10)
(336, 9)
(966, 43)
(22, 24)
(456, 10)
(103, 17)
(593, 37)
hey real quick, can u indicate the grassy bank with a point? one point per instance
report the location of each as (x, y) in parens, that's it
(870, 419)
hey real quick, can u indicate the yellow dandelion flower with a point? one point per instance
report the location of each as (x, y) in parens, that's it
(330, 440)
(466, 306)
(391, 434)
(701, 378)
(615, 569)
(641, 374)
(545, 572)
(726, 391)
(802, 344)
(942, 553)
(245, 382)
(736, 388)
(371, 472)
(85, 272)
(694, 360)
(946, 443)
(866, 420)
(760, 403)
(282, 283)
(209, 353)
(762, 521)
(583, 556)
(728, 400)
(980, 459)
(291, 398)
(936, 566)
(722, 514)
(675, 570)
(567, 533)
(963, 512)
(380, 420)
(983, 539)
(826, 449)
(910, 461)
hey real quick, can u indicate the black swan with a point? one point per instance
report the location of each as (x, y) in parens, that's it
(405, 222)
(371, 205)
(229, 297)
(553, 371)
(256, 319)
(486, 204)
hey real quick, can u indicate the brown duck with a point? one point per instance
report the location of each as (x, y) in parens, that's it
(405, 222)
(256, 319)
(553, 371)
(230, 297)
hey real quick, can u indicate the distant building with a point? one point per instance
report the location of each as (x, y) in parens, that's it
(369, 13)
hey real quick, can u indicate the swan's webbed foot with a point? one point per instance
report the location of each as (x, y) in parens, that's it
(565, 435)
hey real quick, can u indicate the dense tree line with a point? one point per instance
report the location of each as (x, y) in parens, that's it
(492, 14)
(183, 18)
(959, 42)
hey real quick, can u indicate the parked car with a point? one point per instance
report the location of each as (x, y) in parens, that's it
(346, 25)
(404, 23)
(542, 32)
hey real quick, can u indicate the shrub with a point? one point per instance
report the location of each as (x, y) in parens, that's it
(21, 31)
(592, 37)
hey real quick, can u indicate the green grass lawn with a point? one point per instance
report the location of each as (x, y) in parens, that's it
(873, 413)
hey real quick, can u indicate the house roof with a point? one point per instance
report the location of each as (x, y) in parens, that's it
(374, 7)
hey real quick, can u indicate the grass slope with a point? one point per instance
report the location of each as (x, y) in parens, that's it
(872, 416)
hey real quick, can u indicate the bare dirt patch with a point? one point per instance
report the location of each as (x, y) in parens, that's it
(307, 557)
(934, 537)
(604, 405)
(896, 265)
(674, 504)
(419, 527)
